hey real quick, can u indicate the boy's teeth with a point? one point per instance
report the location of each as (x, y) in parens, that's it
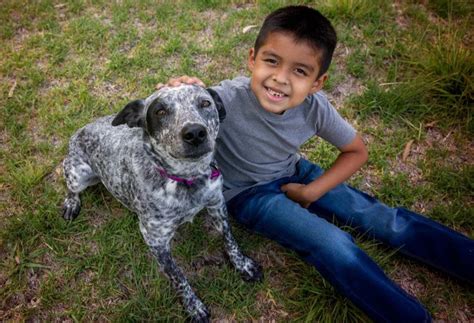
(276, 93)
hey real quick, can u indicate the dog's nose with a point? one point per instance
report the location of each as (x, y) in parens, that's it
(194, 134)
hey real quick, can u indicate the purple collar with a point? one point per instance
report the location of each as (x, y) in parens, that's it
(214, 174)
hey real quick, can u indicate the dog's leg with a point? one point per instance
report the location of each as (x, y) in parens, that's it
(159, 243)
(78, 176)
(248, 268)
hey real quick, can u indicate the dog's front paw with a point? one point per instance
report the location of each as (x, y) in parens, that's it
(201, 318)
(71, 208)
(198, 312)
(251, 271)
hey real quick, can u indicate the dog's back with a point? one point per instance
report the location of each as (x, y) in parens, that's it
(115, 156)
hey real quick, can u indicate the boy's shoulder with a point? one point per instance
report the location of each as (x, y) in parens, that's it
(319, 97)
(237, 83)
(234, 91)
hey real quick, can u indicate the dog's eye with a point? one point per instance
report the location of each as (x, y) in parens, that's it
(204, 104)
(160, 112)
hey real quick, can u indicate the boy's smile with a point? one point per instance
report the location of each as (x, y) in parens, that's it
(284, 72)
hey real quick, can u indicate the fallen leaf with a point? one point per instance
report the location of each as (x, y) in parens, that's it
(248, 28)
(58, 170)
(446, 138)
(407, 149)
(12, 89)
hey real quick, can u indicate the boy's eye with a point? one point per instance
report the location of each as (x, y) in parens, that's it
(204, 104)
(270, 61)
(301, 71)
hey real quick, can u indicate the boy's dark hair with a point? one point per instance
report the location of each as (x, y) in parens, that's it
(304, 24)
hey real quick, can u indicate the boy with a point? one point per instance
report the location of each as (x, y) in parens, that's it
(272, 190)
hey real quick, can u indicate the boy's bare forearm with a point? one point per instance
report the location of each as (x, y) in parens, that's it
(346, 164)
(349, 161)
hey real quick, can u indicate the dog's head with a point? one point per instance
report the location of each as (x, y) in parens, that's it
(181, 122)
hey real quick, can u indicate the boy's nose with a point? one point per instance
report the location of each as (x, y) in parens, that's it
(280, 77)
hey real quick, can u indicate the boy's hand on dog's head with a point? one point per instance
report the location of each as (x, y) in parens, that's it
(177, 81)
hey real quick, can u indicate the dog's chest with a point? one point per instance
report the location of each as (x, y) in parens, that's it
(180, 201)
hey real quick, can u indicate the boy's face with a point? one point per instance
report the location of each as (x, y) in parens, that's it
(284, 72)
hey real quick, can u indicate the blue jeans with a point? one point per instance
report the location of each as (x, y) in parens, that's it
(267, 210)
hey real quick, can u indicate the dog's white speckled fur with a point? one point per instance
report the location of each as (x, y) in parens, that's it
(174, 129)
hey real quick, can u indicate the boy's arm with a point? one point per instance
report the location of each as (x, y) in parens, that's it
(350, 160)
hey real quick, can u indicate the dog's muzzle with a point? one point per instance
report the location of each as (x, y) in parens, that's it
(194, 134)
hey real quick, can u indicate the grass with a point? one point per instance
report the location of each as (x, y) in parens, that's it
(402, 73)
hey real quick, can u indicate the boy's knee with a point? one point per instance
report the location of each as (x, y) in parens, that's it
(343, 246)
(339, 246)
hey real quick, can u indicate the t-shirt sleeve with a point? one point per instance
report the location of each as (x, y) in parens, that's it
(227, 89)
(330, 125)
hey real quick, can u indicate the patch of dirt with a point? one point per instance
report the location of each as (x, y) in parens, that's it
(5, 197)
(56, 176)
(203, 62)
(35, 131)
(415, 175)
(272, 259)
(370, 180)
(405, 279)
(349, 84)
(13, 306)
(461, 151)
(109, 90)
(460, 154)
(20, 38)
(199, 263)
(271, 310)
(434, 283)
(204, 37)
(402, 21)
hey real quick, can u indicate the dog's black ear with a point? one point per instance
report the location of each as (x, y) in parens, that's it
(219, 103)
(132, 115)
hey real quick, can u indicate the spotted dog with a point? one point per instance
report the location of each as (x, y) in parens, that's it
(156, 158)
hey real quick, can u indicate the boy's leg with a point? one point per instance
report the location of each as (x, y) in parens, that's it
(415, 235)
(266, 210)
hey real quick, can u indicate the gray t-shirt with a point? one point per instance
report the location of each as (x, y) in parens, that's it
(255, 146)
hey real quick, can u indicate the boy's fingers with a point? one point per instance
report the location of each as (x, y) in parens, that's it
(185, 80)
(177, 81)
(196, 81)
(174, 82)
(190, 80)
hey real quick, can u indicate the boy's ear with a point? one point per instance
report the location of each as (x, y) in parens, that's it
(132, 115)
(251, 59)
(319, 83)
